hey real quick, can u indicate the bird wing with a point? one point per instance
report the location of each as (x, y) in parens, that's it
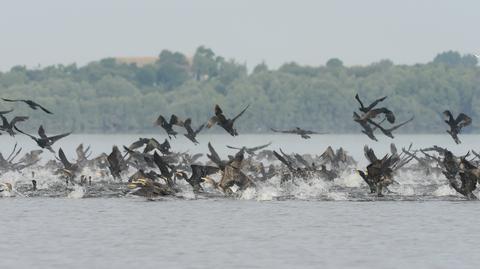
(203, 170)
(372, 105)
(174, 120)
(463, 120)
(282, 160)
(29, 135)
(328, 154)
(18, 119)
(360, 102)
(161, 164)
(212, 121)
(138, 144)
(301, 160)
(370, 154)
(161, 121)
(55, 138)
(241, 113)
(284, 131)
(43, 108)
(11, 100)
(218, 110)
(448, 116)
(401, 124)
(230, 147)
(64, 159)
(213, 156)
(188, 125)
(375, 112)
(199, 129)
(260, 147)
(4, 121)
(41, 132)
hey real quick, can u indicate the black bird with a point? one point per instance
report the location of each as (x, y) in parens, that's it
(388, 132)
(305, 134)
(33, 105)
(8, 126)
(225, 123)
(199, 172)
(44, 141)
(71, 169)
(457, 124)
(373, 113)
(151, 144)
(251, 151)
(372, 105)
(116, 163)
(192, 134)
(367, 129)
(168, 125)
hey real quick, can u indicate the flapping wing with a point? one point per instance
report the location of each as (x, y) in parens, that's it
(372, 105)
(11, 100)
(401, 124)
(230, 147)
(260, 147)
(55, 138)
(203, 170)
(218, 110)
(22, 132)
(44, 109)
(18, 119)
(388, 114)
(463, 120)
(199, 129)
(174, 120)
(41, 132)
(161, 121)
(188, 125)
(4, 121)
(64, 159)
(369, 154)
(161, 164)
(138, 144)
(241, 113)
(284, 131)
(282, 160)
(213, 156)
(358, 100)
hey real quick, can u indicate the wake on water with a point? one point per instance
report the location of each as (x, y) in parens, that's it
(349, 186)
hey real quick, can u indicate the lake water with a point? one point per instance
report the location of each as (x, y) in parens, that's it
(318, 226)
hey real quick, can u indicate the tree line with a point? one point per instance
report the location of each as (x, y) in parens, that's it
(109, 96)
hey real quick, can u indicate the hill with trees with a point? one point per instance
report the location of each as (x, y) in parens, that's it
(113, 96)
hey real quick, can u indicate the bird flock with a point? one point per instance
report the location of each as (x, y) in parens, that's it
(149, 168)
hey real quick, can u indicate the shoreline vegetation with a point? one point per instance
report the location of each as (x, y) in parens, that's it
(117, 96)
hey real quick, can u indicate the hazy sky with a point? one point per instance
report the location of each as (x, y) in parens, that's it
(309, 32)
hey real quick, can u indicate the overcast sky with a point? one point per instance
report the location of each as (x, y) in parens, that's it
(49, 32)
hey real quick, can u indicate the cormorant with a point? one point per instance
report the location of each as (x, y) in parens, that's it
(33, 105)
(8, 126)
(251, 151)
(168, 125)
(192, 134)
(225, 123)
(44, 141)
(299, 131)
(457, 124)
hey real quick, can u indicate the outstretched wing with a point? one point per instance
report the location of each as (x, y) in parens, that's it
(388, 114)
(174, 120)
(372, 105)
(241, 113)
(463, 120)
(285, 132)
(401, 124)
(4, 121)
(369, 154)
(281, 159)
(55, 138)
(360, 102)
(260, 147)
(188, 125)
(230, 147)
(161, 164)
(199, 129)
(43, 108)
(64, 159)
(138, 144)
(41, 132)
(213, 156)
(18, 119)
(29, 135)
(218, 110)
(160, 121)
(11, 100)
